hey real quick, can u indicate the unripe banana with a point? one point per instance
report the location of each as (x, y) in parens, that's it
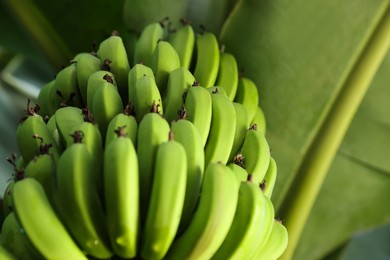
(147, 42)
(276, 243)
(228, 74)
(137, 72)
(270, 178)
(218, 89)
(242, 125)
(45, 101)
(222, 130)
(52, 125)
(212, 218)
(121, 193)
(179, 81)
(198, 108)
(79, 200)
(259, 120)
(7, 199)
(97, 80)
(183, 41)
(241, 173)
(5, 254)
(148, 97)
(43, 228)
(186, 133)
(14, 239)
(164, 60)
(166, 200)
(86, 65)
(126, 120)
(67, 118)
(248, 95)
(114, 50)
(106, 104)
(207, 59)
(256, 153)
(33, 125)
(152, 131)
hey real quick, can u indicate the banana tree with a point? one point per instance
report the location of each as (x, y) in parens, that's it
(322, 73)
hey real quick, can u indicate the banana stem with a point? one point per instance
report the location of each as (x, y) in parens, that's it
(38, 28)
(315, 165)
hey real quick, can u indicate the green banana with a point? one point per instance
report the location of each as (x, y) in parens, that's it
(166, 199)
(137, 72)
(186, 133)
(66, 119)
(213, 217)
(223, 127)
(164, 60)
(79, 200)
(249, 216)
(52, 125)
(207, 59)
(43, 228)
(248, 95)
(183, 41)
(126, 120)
(97, 80)
(242, 125)
(65, 90)
(256, 153)
(270, 178)
(5, 254)
(147, 42)
(218, 89)
(45, 101)
(33, 125)
(198, 108)
(152, 131)
(276, 243)
(241, 173)
(14, 239)
(228, 74)
(106, 104)
(7, 199)
(114, 50)
(148, 97)
(259, 120)
(179, 81)
(86, 65)
(121, 193)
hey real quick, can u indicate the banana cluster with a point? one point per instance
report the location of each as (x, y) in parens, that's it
(157, 155)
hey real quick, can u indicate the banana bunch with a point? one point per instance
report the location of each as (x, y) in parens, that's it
(159, 157)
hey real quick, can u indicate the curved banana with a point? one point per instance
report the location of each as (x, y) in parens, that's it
(114, 50)
(152, 131)
(121, 194)
(148, 97)
(45, 101)
(256, 153)
(222, 130)
(249, 216)
(15, 240)
(242, 125)
(228, 74)
(207, 59)
(198, 109)
(147, 42)
(166, 199)
(97, 80)
(186, 133)
(164, 60)
(86, 65)
(259, 120)
(241, 173)
(137, 72)
(7, 199)
(43, 228)
(79, 200)
(183, 41)
(66, 119)
(276, 243)
(33, 125)
(179, 81)
(126, 120)
(248, 95)
(213, 217)
(52, 125)
(268, 183)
